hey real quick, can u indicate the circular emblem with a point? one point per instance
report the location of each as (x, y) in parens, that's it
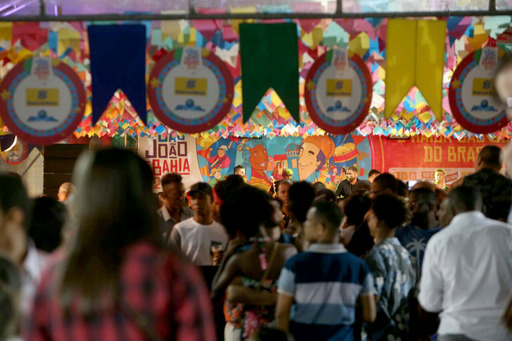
(190, 90)
(16, 153)
(472, 95)
(338, 92)
(42, 100)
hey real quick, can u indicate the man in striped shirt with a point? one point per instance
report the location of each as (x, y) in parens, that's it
(320, 288)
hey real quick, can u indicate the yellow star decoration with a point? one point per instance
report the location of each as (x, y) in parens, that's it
(310, 85)
(455, 84)
(5, 95)
(154, 82)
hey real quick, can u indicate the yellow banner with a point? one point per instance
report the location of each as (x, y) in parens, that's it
(483, 87)
(415, 57)
(339, 87)
(191, 86)
(43, 97)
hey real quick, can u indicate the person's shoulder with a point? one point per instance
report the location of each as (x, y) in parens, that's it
(187, 223)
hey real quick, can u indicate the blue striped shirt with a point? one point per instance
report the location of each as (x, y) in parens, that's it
(326, 282)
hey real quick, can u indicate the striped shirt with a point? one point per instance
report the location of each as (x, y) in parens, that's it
(326, 282)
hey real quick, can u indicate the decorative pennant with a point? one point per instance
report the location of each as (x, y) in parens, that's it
(263, 68)
(419, 62)
(472, 93)
(42, 100)
(190, 90)
(118, 61)
(338, 91)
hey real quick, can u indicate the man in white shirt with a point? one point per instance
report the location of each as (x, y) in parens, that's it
(467, 272)
(200, 236)
(14, 243)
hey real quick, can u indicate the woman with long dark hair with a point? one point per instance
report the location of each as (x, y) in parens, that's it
(118, 282)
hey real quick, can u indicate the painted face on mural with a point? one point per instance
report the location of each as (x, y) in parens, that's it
(259, 157)
(222, 151)
(308, 161)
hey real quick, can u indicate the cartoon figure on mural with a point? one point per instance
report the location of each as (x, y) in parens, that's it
(333, 178)
(256, 159)
(221, 161)
(314, 153)
(215, 176)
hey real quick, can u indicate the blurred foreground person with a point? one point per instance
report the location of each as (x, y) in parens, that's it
(48, 219)
(10, 283)
(118, 283)
(65, 191)
(15, 213)
(467, 272)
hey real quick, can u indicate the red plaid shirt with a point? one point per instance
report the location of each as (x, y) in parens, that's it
(168, 293)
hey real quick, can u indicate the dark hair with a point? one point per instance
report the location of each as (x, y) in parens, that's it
(389, 209)
(114, 208)
(326, 195)
(362, 186)
(496, 191)
(401, 188)
(465, 198)
(355, 208)
(373, 172)
(228, 185)
(425, 194)
(13, 194)
(318, 186)
(284, 181)
(238, 167)
(10, 283)
(245, 210)
(491, 156)
(329, 214)
(387, 181)
(48, 219)
(170, 178)
(353, 168)
(301, 197)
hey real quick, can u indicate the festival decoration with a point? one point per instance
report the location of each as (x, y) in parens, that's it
(42, 100)
(118, 61)
(338, 91)
(418, 62)
(16, 153)
(472, 93)
(190, 90)
(269, 54)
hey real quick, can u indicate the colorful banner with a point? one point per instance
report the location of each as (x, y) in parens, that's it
(338, 91)
(419, 62)
(317, 158)
(190, 90)
(42, 100)
(472, 94)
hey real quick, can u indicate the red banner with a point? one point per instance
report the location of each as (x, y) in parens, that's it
(418, 157)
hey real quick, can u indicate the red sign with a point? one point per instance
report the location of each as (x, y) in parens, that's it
(418, 157)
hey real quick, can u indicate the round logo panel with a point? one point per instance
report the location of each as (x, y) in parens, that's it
(472, 95)
(42, 100)
(338, 92)
(190, 90)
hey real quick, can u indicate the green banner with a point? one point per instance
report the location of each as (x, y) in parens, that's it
(269, 54)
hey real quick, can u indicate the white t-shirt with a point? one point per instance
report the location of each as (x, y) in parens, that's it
(195, 240)
(467, 274)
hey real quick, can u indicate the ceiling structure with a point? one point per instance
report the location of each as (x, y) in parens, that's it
(173, 9)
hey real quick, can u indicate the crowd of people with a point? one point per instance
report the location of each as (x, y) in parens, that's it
(372, 260)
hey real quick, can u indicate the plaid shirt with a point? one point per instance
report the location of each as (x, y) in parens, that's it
(166, 292)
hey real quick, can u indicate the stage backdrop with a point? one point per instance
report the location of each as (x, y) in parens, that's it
(314, 158)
